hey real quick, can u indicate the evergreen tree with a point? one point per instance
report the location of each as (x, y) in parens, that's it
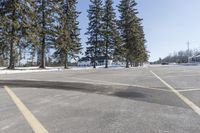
(95, 40)
(44, 23)
(14, 25)
(68, 31)
(3, 48)
(110, 32)
(3, 40)
(139, 54)
(63, 40)
(131, 32)
(143, 53)
(74, 29)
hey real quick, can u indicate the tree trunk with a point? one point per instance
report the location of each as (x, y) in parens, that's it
(42, 61)
(94, 62)
(131, 64)
(12, 57)
(95, 53)
(106, 66)
(32, 59)
(127, 63)
(12, 51)
(107, 41)
(65, 62)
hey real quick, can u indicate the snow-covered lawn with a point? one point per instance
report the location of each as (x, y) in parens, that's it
(3, 70)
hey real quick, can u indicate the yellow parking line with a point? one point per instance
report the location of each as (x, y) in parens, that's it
(31, 119)
(193, 106)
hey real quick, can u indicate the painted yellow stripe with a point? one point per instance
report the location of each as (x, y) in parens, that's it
(31, 119)
(193, 106)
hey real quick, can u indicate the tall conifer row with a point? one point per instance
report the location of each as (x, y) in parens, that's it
(110, 32)
(95, 28)
(131, 32)
(15, 20)
(68, 31)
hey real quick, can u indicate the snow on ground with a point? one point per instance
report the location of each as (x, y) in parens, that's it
(175, 64)
(3, 70)
(97, 67)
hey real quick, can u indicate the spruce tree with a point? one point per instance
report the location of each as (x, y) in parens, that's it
(4, 47)
(95, 39)
(14, 25)
(3, 39)
(110, 32)
(68, 31)
(131, 32)
(63, 40)
(44, 21)
(142, 55)
(74, 29)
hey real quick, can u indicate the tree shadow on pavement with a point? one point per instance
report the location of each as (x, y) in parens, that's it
(127, 92)
(114, 90)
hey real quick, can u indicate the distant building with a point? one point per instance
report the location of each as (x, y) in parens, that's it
(100, 61)
(194, 59)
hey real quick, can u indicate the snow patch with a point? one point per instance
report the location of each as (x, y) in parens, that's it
(3, 70)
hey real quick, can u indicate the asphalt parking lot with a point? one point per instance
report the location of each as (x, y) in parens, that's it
(160, 99)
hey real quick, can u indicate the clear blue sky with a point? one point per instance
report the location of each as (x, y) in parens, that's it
(168, 24)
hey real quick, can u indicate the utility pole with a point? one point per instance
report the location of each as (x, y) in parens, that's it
(188, 50)
(188, 45)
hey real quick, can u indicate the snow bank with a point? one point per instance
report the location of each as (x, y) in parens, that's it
(26, 70)
(3, 70)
